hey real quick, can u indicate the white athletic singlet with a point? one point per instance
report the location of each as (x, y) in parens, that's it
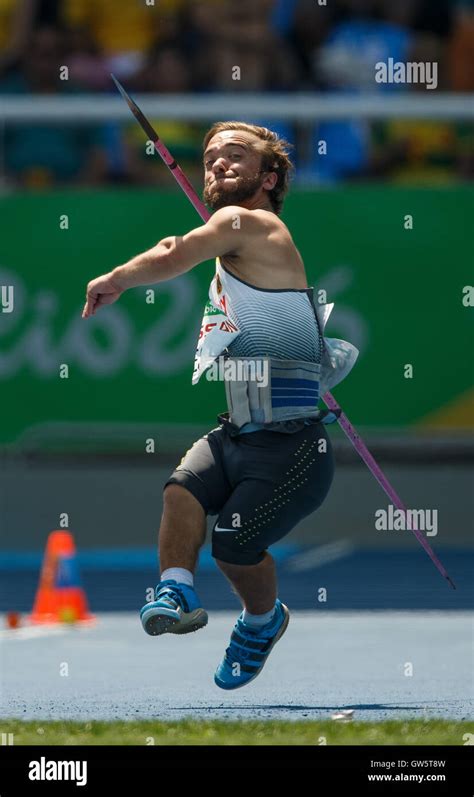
(246, 321)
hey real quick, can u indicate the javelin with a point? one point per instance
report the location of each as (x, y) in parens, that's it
(328, 399)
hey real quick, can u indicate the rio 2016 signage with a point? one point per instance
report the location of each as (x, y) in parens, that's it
(397, 290)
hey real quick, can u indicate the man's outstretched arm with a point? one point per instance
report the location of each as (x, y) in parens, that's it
(173, 256)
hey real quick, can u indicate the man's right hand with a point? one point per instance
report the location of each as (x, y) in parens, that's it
(100, 291)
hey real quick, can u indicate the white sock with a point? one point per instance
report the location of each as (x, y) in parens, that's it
(258, 619)
(178, 574)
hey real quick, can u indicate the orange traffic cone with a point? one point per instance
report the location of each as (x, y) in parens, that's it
(60, 596)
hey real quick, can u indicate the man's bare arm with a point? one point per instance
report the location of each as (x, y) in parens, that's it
(175, 255)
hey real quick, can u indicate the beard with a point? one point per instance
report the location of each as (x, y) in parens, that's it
(219, 196)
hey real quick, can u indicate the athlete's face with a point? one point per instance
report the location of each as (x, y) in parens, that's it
(232, 169)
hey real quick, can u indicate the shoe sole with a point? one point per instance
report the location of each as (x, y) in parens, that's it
(158, 623)
(282, 630)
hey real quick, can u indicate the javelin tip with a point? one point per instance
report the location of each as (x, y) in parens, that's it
(131, 104)
(138, 114)
(120, 87)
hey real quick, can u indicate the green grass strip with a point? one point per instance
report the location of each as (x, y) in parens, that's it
(245, 732)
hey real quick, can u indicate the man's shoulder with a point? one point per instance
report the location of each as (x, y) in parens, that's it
(252, 220)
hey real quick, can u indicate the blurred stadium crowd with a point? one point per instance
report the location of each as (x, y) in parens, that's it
(183, 46)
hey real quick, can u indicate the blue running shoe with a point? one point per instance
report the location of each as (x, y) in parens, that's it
(249, 649)
(175, 610)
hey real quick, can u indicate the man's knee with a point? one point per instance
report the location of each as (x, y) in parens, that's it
(233, 552)
(237, 566)
(178, 500)
(174, 494)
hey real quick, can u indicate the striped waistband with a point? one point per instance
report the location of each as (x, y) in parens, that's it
(290, 389)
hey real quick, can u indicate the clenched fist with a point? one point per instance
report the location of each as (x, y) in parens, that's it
(100, 291)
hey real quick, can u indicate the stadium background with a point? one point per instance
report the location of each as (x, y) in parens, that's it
(79, 195)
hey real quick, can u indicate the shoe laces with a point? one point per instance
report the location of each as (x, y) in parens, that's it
(240, 653)
(169, 595)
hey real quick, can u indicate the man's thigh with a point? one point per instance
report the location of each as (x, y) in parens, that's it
(202, 471)
(278, 480)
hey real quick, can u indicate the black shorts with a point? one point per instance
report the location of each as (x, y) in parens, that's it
(260, 484)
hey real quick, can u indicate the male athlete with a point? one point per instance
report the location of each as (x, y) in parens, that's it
(269, 463)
